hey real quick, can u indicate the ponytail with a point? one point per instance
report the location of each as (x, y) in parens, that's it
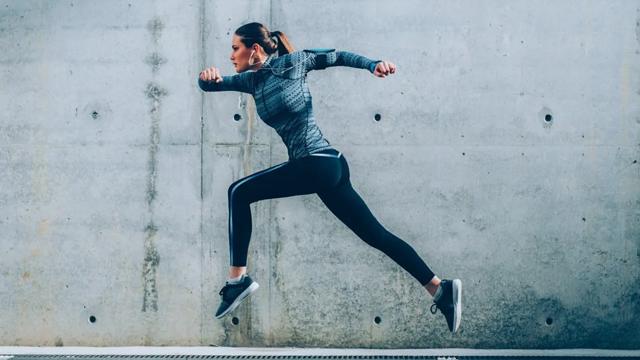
(284, 46)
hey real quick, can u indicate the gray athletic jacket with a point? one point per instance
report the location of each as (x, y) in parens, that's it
(282, 96)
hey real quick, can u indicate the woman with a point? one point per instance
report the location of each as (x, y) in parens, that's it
(275, 74)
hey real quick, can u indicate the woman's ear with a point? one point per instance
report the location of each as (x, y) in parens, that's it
(259, 49)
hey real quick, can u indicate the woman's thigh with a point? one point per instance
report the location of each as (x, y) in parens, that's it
(298, 177)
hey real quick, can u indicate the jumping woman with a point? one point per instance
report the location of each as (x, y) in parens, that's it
(269, 69)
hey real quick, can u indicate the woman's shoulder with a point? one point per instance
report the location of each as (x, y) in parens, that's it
(297, 56)
(291, 65)
(292, 57)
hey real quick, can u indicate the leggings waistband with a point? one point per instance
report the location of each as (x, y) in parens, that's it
(328, 153)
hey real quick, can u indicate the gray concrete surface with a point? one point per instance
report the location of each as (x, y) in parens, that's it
(28, 352)
(115, 168)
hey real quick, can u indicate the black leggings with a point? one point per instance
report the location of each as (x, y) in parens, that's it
(327, 174)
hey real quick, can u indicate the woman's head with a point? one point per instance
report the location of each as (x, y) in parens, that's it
(253, 42)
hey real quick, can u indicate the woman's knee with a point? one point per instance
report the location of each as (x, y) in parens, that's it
(236, 191)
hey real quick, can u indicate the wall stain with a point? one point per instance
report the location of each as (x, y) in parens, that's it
(154, 93)
(638, 26)
(151, 261)
(478, 223)
(155, 27)
(155, 60)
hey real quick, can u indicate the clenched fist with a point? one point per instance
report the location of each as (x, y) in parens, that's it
(384, 68)
(211, 74)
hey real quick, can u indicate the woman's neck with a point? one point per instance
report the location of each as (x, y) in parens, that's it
(257, 64)
(261, 59)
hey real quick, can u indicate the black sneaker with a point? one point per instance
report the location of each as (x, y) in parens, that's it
(233, 294)
(450, 303)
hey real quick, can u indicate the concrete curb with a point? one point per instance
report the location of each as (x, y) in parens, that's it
(233, 351)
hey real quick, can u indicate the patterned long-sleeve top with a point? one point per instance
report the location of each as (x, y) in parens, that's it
(282, 97)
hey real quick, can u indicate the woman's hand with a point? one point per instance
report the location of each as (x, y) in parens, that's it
(211, 74)
(384, 68)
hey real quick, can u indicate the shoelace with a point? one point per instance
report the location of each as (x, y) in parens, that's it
(225, 287)
(436, 308)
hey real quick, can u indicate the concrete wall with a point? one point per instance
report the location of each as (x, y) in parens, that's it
(115, 167)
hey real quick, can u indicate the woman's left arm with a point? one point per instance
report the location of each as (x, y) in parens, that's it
(323, 58)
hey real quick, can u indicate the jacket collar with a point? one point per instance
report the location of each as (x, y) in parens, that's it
(267, 62)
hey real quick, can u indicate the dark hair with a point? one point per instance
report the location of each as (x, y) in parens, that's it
(254, 32)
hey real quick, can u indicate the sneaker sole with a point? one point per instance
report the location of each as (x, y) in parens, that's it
(457, 304)
(253, 287)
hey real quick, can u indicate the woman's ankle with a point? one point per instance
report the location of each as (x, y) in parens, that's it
(433, 285)
(235, 271)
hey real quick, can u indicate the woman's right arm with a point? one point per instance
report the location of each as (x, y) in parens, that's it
(211, 80)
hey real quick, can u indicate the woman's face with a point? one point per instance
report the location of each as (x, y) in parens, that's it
(240, 55)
